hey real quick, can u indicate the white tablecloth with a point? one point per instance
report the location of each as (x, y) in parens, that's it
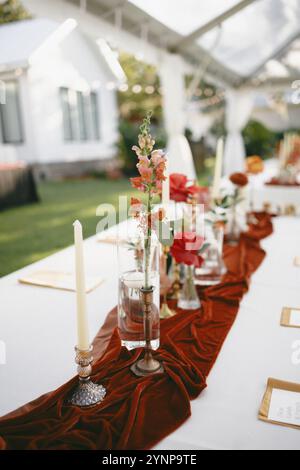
(39, 328)
(278, 197)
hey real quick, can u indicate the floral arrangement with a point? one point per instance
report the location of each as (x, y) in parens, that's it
(151, 167)
(240, 181)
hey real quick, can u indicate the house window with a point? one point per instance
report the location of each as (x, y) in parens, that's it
(10, 115)
(80, 115)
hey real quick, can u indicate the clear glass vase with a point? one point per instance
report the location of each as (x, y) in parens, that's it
(213, 268)
(234, 228)
(188, 297)
(136, 268)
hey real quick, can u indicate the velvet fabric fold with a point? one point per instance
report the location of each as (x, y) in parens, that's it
(138, 412)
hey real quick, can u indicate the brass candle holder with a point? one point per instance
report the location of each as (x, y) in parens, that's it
(87, 393)
(147, 365)
(165, 311)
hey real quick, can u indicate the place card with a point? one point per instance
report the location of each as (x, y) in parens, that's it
(297, 261)
(59, 280)
(290, 317)
(285, 407)
(110, 239)
(281, 404)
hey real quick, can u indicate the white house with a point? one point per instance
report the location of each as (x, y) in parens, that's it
(57, 88)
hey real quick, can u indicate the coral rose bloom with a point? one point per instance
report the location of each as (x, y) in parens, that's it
(185, 249)
(239, 179)
(255, 165)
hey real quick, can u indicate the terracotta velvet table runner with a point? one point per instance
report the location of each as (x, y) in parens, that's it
(138, 412)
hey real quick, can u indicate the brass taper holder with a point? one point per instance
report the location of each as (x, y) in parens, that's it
(147, 365)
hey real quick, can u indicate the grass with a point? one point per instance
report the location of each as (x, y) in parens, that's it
(32, 232)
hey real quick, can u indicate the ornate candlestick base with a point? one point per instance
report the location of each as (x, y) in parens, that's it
(87, 393)
(148, 365)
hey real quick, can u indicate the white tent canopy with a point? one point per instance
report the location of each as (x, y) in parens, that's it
(246, 46)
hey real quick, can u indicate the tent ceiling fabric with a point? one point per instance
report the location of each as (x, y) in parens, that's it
(254, 34)
(185, 16)
(250, 36)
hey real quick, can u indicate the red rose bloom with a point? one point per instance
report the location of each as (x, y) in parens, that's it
(181, 188)
(239, 179)
(178, 190)
(185, 249)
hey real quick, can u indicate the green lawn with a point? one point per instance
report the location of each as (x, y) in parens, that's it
(35, 231)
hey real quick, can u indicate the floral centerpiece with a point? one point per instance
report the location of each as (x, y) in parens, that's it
(151, 166)
(187, 249)
(254, 167)
(239, 181)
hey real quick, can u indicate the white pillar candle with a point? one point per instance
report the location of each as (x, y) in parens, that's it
(166, 188)
(286, 148)
(218, 169)
(282, 155)
(82, 321)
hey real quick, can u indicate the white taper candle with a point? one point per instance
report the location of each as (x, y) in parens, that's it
(218, 169)
(166, 188)
(82, 321)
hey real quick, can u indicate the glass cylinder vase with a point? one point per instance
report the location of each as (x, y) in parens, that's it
(138, 268)
(213, 267)
(188, 297)
(233, 226)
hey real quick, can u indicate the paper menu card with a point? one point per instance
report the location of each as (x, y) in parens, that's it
(285, 407)
(281, 404)
(290, 317)
(59, 280)
(295, 318)
(297, 261)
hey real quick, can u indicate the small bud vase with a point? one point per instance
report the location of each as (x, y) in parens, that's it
(188, 297)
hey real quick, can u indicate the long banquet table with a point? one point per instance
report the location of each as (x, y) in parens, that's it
(38, 327)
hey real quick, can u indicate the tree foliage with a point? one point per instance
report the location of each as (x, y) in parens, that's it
(259, 140)
(140, 96)
(12, 10)
(143, 93)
